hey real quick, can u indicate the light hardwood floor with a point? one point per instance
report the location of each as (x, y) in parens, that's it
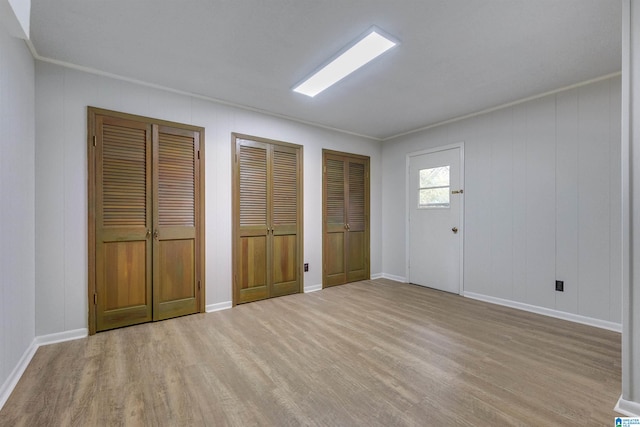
(373, 353)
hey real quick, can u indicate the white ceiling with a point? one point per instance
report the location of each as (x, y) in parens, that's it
(456, 57)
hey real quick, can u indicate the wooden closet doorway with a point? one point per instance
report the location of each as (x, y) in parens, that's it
(267, 218)
(345, 218)
(146, 219)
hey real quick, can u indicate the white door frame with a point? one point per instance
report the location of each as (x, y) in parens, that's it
(459, 145)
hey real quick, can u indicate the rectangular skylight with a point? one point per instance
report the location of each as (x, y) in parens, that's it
(372, 45)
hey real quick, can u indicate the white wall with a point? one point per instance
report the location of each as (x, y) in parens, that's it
(542, 200)
(17, 280)
(15, 16)
(62, 96)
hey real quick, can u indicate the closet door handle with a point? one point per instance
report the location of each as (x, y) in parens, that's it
(155, 234)
(148, 233)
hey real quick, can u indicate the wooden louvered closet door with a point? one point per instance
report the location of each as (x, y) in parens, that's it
(252, 262)
(122, 222)
(145, 220)
(345, 218)
(176, 204)
(267, 247)
(285, 186)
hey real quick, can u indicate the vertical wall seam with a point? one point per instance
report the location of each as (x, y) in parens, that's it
(609, 139)
(578, 209)
(555, 191)
(64, 204)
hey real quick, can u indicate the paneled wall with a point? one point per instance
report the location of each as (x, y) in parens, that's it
(542, 200)
(62, 96)
(17, 278)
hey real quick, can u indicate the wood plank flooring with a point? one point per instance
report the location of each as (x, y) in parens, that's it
(373, 353)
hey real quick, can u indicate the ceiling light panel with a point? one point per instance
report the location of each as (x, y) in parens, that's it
(364, 50)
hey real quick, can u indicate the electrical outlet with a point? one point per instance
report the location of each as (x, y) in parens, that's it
(560, 285)
(306, 266)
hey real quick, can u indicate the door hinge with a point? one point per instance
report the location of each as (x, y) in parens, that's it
(95, 299)
(324, 169)
(198, 154)
(94, 140)
(199, 285)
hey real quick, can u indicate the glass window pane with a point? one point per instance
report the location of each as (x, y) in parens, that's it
(434, 177)
(434, 197)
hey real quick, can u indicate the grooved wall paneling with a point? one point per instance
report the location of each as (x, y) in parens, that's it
(542, 200)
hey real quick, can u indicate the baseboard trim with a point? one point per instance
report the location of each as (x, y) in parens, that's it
(394, 278)
(627, 407)
(7, 388)
(16, 374)
(376, 276)
(602, 324)
(312, 288)
(75, 334)
(218, 306)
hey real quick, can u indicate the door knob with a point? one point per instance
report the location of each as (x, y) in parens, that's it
(155, 234)
(455, 230)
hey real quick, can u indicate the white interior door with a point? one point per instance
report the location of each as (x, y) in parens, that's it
(435, 219)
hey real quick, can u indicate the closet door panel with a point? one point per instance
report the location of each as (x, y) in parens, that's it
(253, 254)
(253, 268)
(356, 257)
(176, 283)
(176, 203)
(122, 222)
(126, 285)
(334, 221)
(285, 200)
(334, 259)
(357, 246)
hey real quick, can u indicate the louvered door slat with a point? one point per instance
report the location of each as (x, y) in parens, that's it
(285, 188)
(176, 180)
(124, 176)
(334, 191)
(356, 219)
(253, 186)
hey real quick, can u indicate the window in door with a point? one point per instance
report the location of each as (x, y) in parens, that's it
(434, 188)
